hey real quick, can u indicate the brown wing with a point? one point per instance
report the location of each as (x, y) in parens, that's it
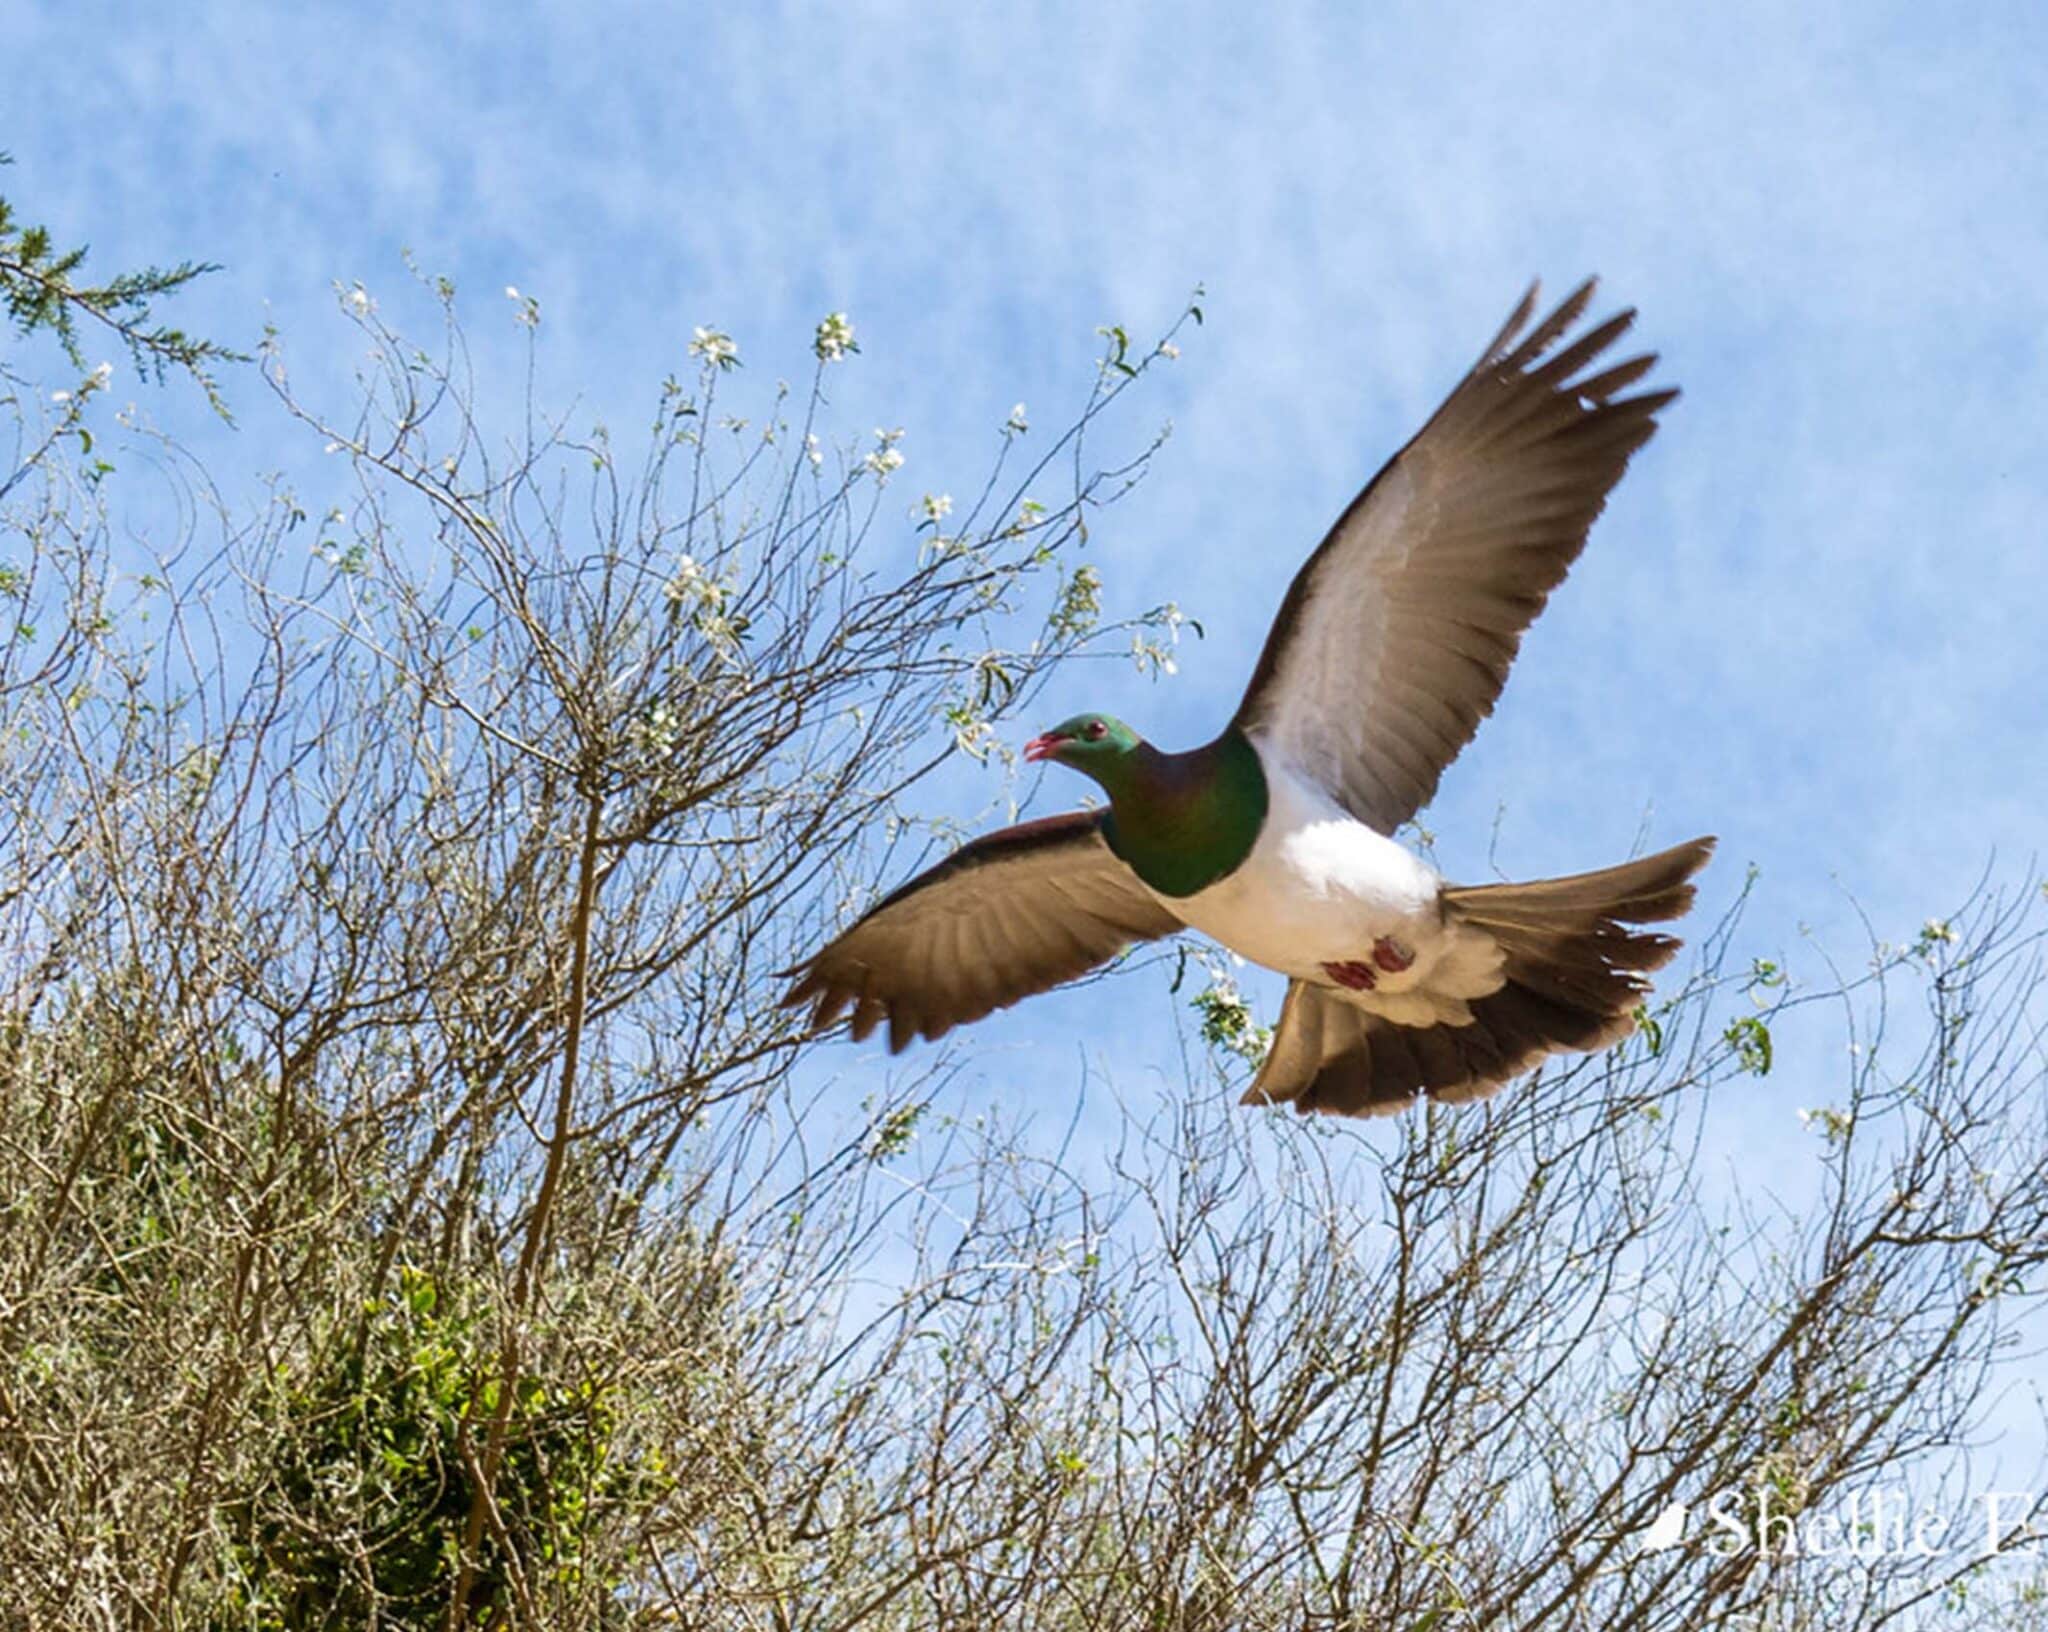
(1011, 914)
(1396, 637)
(1331, 1056)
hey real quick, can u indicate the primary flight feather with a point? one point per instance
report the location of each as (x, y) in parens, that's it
(1276, 838)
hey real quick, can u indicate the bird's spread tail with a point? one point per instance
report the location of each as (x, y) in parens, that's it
(1573, 970)
(1565, 941)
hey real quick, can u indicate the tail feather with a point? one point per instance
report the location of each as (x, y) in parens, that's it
(1648, 890)
(1574, 975)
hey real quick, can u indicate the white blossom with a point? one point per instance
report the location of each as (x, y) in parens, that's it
(692, 583)
(937, 506)
(715, 346)
(887, 458)
(1832, 1124)
(721, 632)
(658, 730)
(835, 338)
(972, 734)
(1017, 424)
(1149, 655)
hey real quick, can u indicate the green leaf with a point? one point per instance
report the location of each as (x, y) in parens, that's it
(1751, 1040)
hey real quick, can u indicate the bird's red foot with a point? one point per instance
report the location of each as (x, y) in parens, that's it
(1357, 977)
(1391, 955)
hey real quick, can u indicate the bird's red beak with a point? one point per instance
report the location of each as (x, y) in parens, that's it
(1043, 747)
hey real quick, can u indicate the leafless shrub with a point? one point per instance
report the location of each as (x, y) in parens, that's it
(411, 1216)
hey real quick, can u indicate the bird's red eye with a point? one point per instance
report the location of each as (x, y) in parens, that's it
(1095, 731)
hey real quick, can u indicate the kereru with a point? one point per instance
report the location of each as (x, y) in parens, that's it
(1276, 838)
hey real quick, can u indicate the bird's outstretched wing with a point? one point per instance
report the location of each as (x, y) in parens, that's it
(1396, 636)
(1015, 912)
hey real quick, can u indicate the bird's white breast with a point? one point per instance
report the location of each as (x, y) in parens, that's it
(1321, 887)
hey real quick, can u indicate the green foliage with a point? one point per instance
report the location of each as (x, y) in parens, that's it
(1080, 605)
(892, 1134)
(1119, 348)
(41, 290)
(1650, 1029)
(373, 1476)
(1751, 1040)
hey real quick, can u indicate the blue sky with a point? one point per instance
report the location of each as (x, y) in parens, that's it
(1812, 619)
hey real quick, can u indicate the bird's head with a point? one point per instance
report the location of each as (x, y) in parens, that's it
(1093, 743)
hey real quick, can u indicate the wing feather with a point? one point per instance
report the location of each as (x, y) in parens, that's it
(1397, 635)
(1011, 914)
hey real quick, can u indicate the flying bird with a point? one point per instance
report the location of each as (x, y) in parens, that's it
(1277, 838)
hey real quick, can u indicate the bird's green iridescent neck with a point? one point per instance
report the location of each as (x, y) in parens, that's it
(1185, 821)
